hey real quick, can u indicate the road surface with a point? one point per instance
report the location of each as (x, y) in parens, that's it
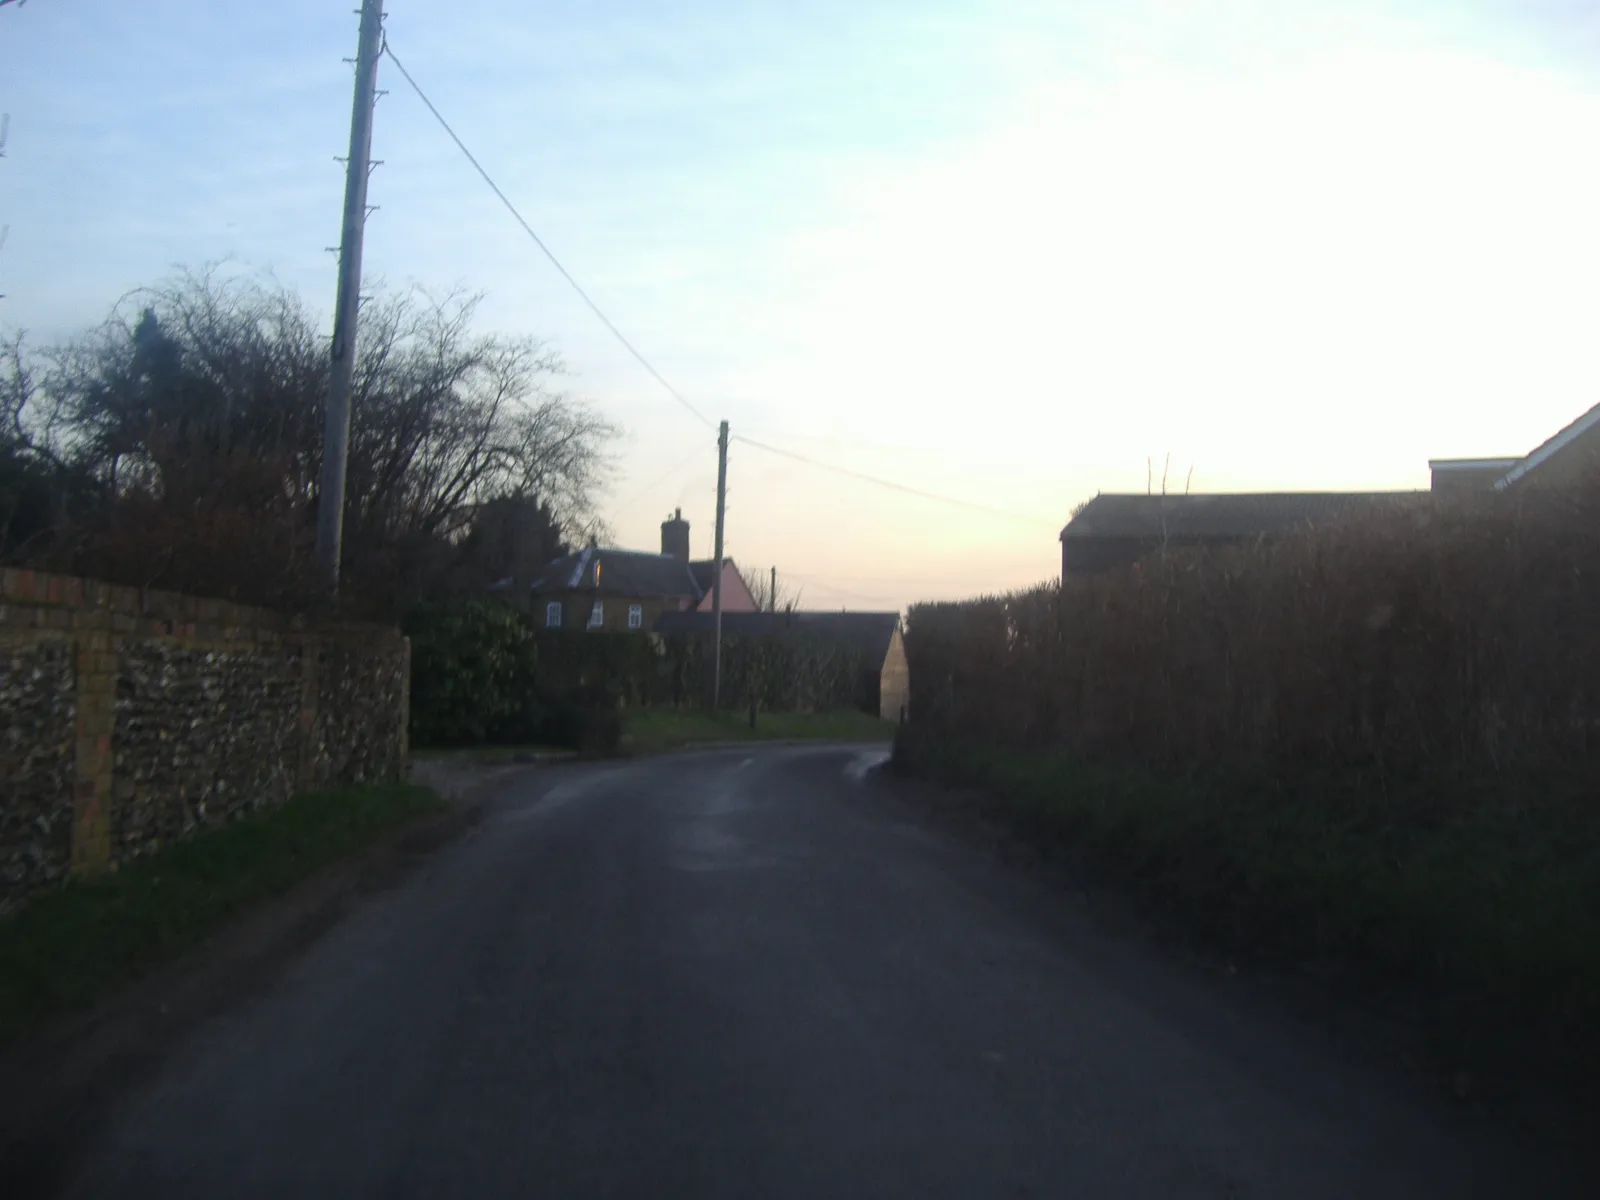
(750, 974)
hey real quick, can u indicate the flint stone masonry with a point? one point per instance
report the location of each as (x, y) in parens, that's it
(130, 720)
(354, 742)
(37, 759)
(202, 737)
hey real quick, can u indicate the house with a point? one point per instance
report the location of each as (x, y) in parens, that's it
(1114, 530)
(623, 590)
(877, 635)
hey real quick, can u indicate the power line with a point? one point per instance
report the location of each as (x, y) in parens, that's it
(808, 582)
(896, 580)
(850, 443)
(648, 366)
(640, 493)
(831, 583)
(538, 241)
(893, 486)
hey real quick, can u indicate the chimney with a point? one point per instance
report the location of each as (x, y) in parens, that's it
(675, 537)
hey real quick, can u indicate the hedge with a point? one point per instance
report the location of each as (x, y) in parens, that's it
(483, 673)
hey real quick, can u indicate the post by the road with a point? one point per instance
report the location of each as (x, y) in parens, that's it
(336, 429)
(716, 578)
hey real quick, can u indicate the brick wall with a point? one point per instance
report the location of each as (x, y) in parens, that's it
(130, 720)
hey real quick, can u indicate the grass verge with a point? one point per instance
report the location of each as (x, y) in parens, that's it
(652, 730)
(490, 754)
(647, 730)
(68, 948)
(1491, 903)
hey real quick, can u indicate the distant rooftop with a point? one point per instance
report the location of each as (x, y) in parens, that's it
(623, 571)
(1214, 515)
(871, 632)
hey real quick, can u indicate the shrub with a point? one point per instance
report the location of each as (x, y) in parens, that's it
(563, 723)
(601, 731)
(587, 720)
(473, 675)
(627, 664)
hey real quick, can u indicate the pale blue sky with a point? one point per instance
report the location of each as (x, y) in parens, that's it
(1001, 250)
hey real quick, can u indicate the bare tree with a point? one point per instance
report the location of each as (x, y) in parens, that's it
(35, 483)
(196, 409)
(786, 599)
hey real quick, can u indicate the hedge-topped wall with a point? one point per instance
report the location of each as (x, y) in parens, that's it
(131, 720)
(484, 673)
(1460, 639)
(791, 674)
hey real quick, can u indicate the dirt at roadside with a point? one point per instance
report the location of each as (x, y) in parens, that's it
(461, 781)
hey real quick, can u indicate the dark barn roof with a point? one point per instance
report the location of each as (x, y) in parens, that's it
(870, 632)
(704, 574)
(1216, 516)
(1554, 446)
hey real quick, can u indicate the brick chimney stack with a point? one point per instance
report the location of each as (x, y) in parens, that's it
(675, 537)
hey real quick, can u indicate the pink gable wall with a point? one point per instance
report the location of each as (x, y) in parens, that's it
(736, 595)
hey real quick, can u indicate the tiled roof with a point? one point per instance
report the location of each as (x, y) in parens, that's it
(870, 632)
(619, 572)
(704, 574)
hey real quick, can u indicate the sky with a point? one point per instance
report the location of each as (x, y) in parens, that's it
(1008, 252)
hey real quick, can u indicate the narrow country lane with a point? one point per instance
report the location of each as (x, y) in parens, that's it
(743, 974)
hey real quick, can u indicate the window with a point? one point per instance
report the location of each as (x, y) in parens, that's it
(597, 615)
(552, 615)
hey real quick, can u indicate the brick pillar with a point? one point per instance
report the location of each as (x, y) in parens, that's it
(306, 777)
(92, 782)
(404, 770)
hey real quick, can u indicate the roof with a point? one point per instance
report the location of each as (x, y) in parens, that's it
(1552, 447)
(704, 574)
(620, 572)
(870, 632)
(1214, 516)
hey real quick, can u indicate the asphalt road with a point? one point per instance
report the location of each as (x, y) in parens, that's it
(750, 974)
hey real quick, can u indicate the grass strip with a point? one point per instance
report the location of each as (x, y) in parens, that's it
(1488, 897)
(67, 948)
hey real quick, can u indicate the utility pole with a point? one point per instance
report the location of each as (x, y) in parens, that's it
(772, 595)
(336, 430)
(5, 132)
(716, 579)
(5, 129)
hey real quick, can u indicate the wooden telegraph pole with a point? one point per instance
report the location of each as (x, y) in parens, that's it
(716, 578)
(336, 429)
